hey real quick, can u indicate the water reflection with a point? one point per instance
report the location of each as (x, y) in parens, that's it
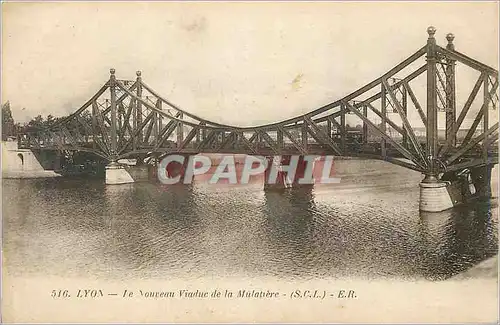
(143, 230)
(150, 226)
(457, 239)
(289, 228)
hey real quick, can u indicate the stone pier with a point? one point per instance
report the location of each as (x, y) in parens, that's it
(283, 179)
(455, 188)
(117, 174)
(434, 196)
(126, 173)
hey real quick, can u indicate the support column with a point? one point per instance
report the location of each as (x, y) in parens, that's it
(365, 126)
(432, 116)
(383, 108)
(304, 135)
(405, 112)
(343, 131)
(158, 123)
(203, 134)
(486, 101)
(482, 177)
(329, 128)
(139, 109)
(450, 94)
(113, 131)
(180, 131)
(94, 124)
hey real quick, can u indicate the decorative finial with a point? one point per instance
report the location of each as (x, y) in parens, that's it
(450, 37)
(112, 71)
(431, 31)
(138, 73)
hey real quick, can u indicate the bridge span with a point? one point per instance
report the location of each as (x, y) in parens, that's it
(128, 119)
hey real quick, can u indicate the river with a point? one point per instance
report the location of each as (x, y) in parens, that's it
(367, 226)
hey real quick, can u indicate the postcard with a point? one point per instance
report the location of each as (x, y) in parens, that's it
(257, 162)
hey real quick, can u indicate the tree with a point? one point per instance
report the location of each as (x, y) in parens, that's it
(35, 124)
(50, 120)
(8, 126)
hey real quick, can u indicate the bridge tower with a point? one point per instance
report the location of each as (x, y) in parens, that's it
(440, 190)
(434, 196)
(115, 173)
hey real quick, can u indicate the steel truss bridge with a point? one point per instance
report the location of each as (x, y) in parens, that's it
(128, 119)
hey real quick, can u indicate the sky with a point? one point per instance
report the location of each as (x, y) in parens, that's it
(234, 63)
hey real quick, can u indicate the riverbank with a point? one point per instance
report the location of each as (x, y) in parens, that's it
(487, 269)
(30, 174)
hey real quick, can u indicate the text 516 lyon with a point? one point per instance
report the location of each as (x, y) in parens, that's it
(80, 293)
